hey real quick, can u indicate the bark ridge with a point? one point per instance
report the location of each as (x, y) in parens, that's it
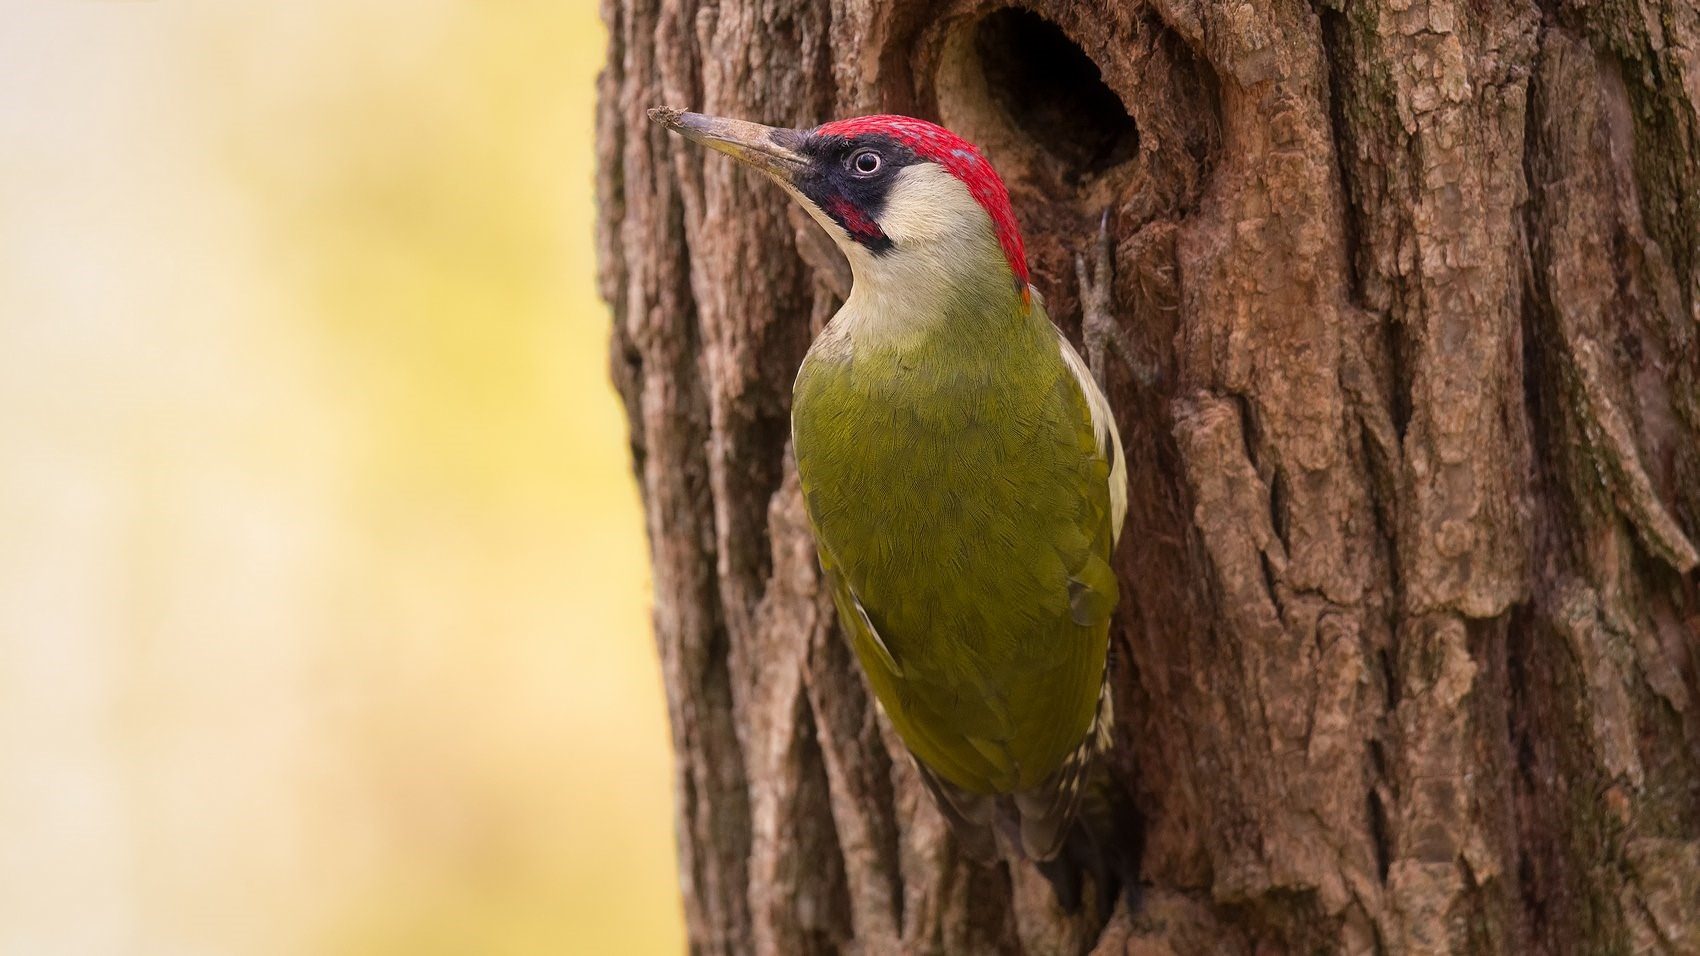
(1409, 647)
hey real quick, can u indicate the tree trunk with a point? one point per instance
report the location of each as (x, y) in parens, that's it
(1408, 655)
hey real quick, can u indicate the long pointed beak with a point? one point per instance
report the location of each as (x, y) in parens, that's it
(771, 149)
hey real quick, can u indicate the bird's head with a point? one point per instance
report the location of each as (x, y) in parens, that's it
(914, 206)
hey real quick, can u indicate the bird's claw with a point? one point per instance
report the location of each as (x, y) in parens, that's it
(1099, 328)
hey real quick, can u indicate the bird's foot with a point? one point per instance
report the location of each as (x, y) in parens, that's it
(1098, 325)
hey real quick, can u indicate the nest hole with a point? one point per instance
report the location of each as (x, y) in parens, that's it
(1052, 93)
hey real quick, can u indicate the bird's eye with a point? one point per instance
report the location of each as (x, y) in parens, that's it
(866, 163)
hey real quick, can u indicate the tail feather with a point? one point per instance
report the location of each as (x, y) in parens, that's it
(1047, 813)
(1105, 843)
(1068, 825)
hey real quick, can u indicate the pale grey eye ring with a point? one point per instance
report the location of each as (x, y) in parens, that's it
(866, 162)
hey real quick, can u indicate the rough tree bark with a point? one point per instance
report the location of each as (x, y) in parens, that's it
(1409, 652)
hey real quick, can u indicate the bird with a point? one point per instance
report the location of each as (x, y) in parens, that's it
(960, 467)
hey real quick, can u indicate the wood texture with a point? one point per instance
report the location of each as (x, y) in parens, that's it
(1409, 651)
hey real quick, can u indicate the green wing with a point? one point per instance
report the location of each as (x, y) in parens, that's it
(965, 527)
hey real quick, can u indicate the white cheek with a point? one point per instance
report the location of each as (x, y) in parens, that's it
(940, 236)
(927, 204)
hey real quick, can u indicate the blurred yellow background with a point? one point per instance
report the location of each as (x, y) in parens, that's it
(323, 590)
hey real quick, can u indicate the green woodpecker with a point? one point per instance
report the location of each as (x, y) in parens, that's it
(960, 467)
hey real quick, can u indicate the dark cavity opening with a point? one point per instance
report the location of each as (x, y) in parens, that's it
(1053, 92)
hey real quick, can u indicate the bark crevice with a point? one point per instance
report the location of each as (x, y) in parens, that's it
(1409, 648)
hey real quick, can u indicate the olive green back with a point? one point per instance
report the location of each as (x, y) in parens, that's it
(958, 493)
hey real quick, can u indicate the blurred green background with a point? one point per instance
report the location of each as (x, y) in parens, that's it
(323, 590)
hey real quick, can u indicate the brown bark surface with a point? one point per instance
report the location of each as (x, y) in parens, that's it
(1409, 651)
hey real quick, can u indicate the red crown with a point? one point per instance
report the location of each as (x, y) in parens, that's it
(933, 142)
